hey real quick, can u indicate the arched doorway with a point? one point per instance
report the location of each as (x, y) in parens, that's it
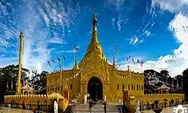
(95, 88)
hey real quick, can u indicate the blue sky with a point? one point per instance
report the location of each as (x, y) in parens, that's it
(153, 31)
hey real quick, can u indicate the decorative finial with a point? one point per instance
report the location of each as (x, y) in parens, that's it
(21, 34)
(94, 18)
(128, 67)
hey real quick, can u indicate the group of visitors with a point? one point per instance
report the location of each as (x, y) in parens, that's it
(55, 106)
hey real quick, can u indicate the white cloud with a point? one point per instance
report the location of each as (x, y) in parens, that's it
(56, 40)
(147, 33)
(179, 25)
(119, 22)
(113, 21)
(175, 63)
(116, 3)
(68, 51)
(59, 13)
(170, 5)
(134, 40)
(32, 15)
(45, 17)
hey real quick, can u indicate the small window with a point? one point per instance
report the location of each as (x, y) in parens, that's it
(70, 86)
(118, 86)
(123, 87)
(128, 87)
(132, 87)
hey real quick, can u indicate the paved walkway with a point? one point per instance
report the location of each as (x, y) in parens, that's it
(13, 110)
(165, 110)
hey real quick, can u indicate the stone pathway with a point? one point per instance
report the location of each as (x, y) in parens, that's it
(165, 110)
(13, 110)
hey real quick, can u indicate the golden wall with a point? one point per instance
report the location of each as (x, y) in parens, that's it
(112, 88)
(33, 101)
(150, 98)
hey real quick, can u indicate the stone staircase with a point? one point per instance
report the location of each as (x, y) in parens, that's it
(98, 108)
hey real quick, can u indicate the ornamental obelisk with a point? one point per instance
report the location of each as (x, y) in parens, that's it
(18, 88)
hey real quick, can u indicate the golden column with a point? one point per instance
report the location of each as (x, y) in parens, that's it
(18, 90)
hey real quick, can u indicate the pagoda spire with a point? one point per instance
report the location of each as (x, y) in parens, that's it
(94, 46)
(94, 32)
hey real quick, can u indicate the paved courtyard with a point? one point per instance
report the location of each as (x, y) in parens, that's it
(12, 110)
(165, 110)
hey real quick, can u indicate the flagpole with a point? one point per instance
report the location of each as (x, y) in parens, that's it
(116, 54)
(63, 63)
(60, 80)
(75, 53)
(74, 58)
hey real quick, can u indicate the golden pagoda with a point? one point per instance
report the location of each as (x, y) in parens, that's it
(95, 76)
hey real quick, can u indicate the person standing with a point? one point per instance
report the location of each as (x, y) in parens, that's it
(104, 103)
(90, 105)
(23, 104)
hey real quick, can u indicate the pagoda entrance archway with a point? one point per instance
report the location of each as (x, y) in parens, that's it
(95, 89)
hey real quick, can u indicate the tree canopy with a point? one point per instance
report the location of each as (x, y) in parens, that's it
(8, 80)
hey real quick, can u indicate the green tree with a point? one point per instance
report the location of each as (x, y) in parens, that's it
(180, 80)
(8, 79)
(38, 82)
(164, 75)
(185, 83)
